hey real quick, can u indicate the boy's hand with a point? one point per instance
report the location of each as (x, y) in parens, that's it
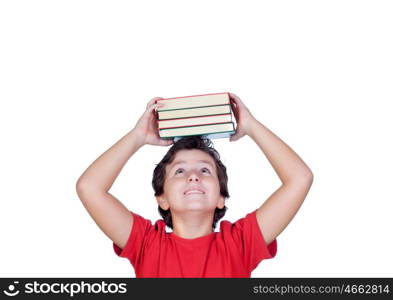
(146, 127)
(243, 117)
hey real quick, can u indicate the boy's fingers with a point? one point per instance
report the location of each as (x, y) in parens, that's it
(166, 142)
(152, 101)
(153, 106)
(234, 97)
(236, 100)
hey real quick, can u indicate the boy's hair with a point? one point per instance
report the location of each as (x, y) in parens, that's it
(188, 143)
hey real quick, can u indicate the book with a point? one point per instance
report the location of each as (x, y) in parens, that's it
(194, 101)
(224, 129)
(209, 136)
(193, 112)
(208, 115)
(185, 122)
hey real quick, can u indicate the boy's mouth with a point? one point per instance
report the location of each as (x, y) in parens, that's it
(194, 190)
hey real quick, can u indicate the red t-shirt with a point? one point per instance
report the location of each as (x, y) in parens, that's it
(234, 251)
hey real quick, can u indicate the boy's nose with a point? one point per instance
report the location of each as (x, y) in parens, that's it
(193, 177)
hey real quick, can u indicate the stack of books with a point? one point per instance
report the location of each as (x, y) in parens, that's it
(208, 115)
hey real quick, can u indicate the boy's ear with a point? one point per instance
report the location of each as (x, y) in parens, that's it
(221, 202)
(162, 202)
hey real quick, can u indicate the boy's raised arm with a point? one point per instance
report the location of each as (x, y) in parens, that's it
(93, 186)
(279, 209)
(111, 216)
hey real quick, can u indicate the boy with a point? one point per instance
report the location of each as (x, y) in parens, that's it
(190, 186)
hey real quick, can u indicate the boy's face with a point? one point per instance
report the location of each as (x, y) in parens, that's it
(191, 183)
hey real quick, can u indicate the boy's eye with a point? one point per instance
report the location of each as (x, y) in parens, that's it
(178, 171)
(181, 170)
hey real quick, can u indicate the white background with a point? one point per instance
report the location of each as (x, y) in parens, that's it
(75, 77)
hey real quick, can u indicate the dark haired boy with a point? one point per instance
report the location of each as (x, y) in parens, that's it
(190, 185)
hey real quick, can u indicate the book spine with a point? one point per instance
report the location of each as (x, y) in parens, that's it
(193, 107)
(193, 96)
(203, 125)
(189, 126)
(198, 123)
(219, 134)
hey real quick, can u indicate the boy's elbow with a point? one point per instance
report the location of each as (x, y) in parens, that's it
(81, 186)
(82, 190)
(78, 185)
(310, 177)
(85, 188)
(306, 177)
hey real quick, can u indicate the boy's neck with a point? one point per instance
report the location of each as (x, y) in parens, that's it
(192, 226)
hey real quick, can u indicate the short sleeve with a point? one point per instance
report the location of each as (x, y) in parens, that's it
(137, 239)
(250, 238)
